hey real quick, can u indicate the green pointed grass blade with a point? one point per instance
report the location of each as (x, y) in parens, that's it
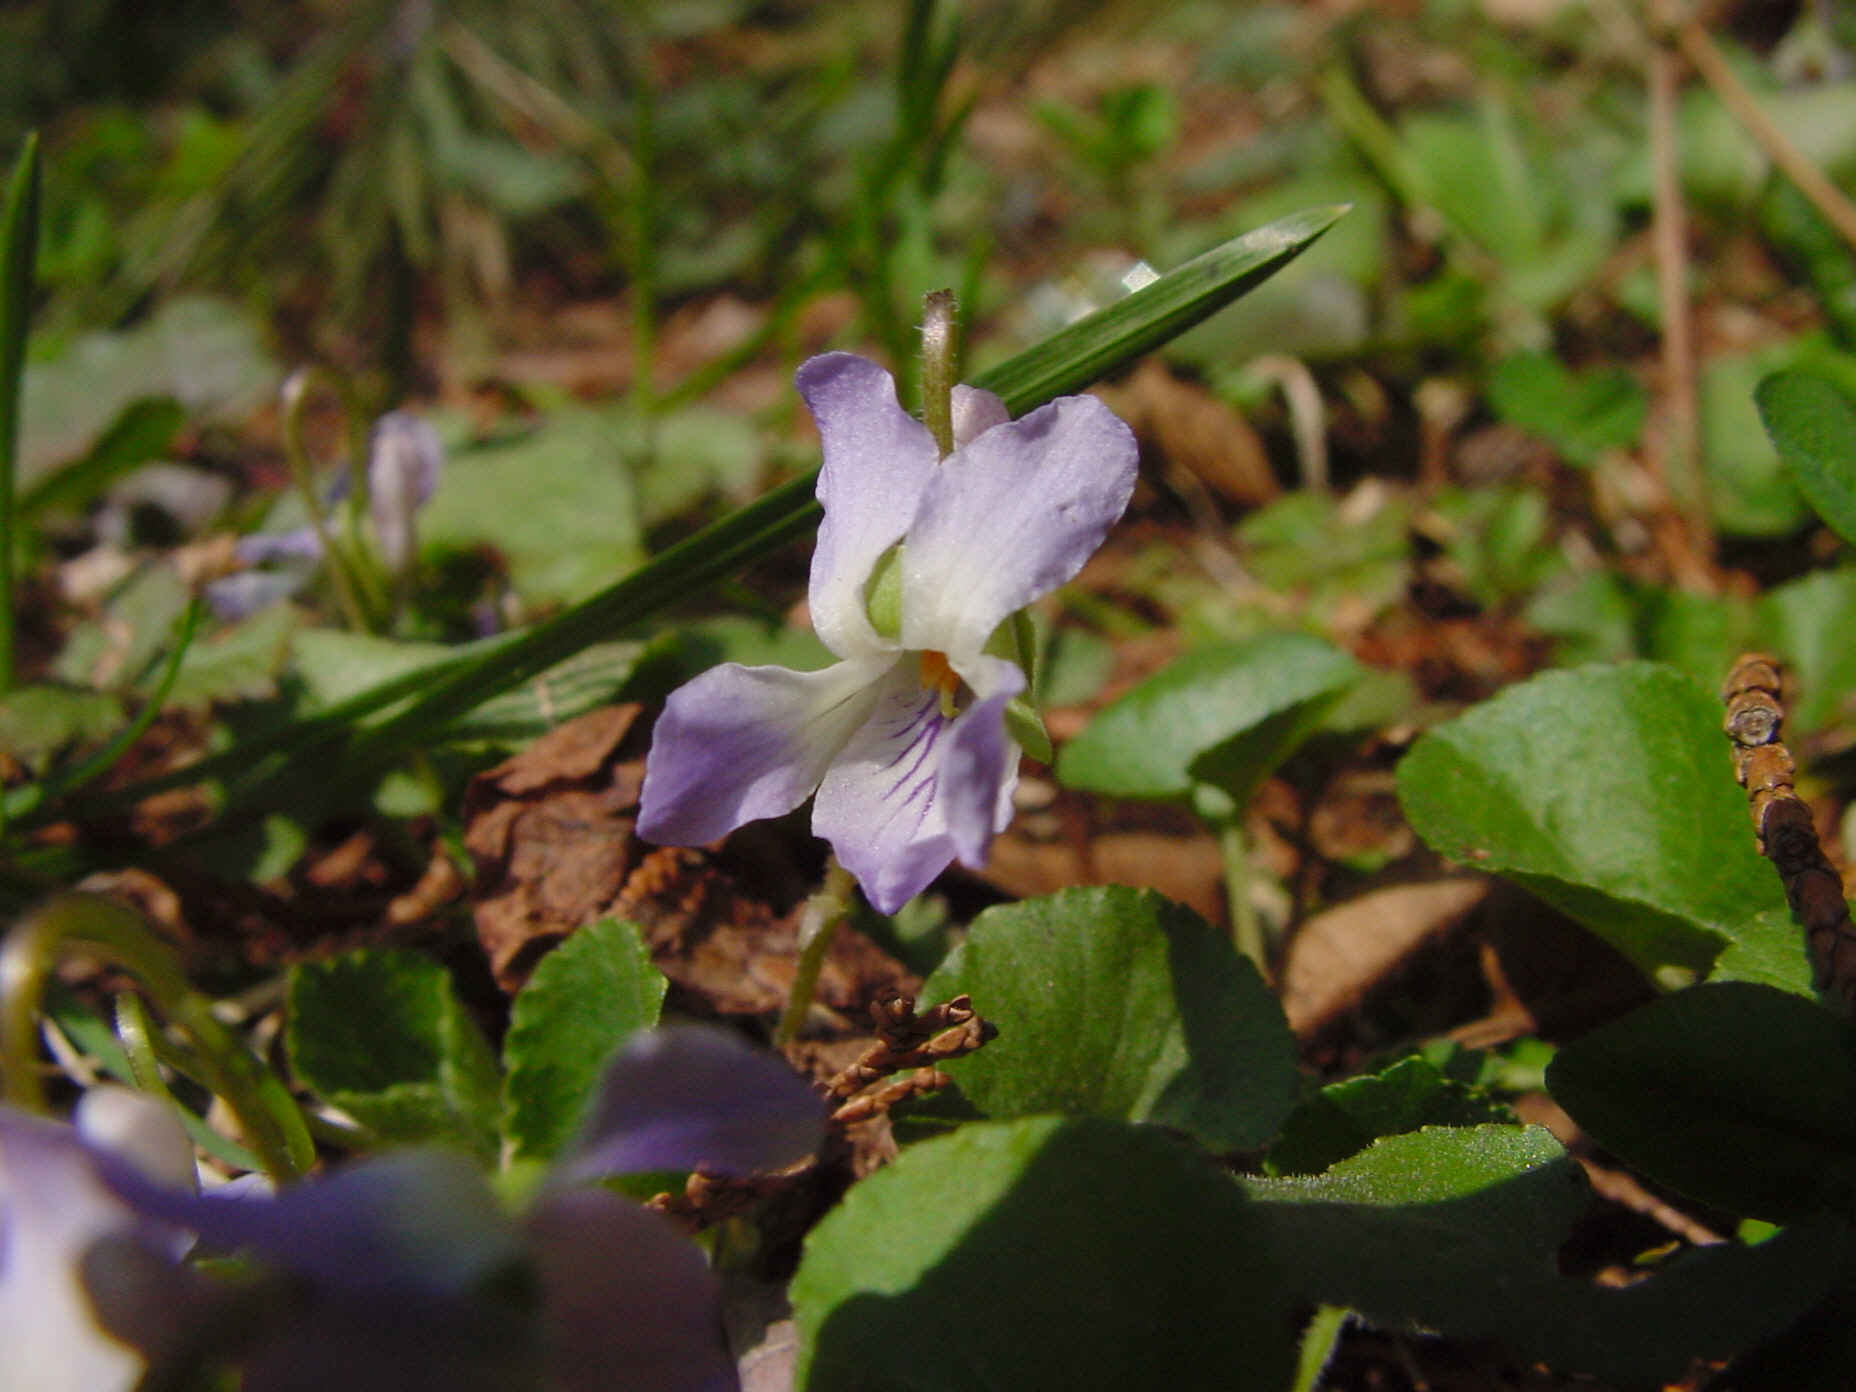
(1733, 1093)
(1607, 792)
(1813, 424)
(19, 244)
(1090, 349)
(1069, 361)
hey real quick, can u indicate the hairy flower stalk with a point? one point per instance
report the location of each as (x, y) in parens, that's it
(920, 561)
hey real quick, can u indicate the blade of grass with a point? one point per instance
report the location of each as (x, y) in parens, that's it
(1068, 361)
(1090, 349)
(19, 244)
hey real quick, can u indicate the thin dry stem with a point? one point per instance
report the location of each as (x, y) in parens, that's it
(868, 1089)
(1676, 464)
(1825, 196)
(908, 1040)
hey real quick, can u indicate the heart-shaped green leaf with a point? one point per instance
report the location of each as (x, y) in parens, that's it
(1581, 414)
(1346, 1117)
(1734, 1093)
(1225, 714)
(379, 1034)
(1042, 1255)
(1608, 792)
(1116, 1002)
(585, 998)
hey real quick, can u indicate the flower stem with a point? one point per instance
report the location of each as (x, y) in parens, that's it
(817, 927)
(939, 340)
(351, 588)
(267, 1116)
(1246, 928)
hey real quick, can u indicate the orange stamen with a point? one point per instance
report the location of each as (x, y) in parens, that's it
(938, 676)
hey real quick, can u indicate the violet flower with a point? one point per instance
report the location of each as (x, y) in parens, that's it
(54, 1206)
(402, 1273)
(404, 460)
(919, 560)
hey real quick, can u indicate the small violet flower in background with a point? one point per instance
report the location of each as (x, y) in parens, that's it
(401, 1273)
(404, 460)
(904, 740)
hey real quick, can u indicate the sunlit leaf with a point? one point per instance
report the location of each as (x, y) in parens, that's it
(1608, 792)
(1456, 1230)
(1042, 1255)
(1225, 714)
(584, 1000)
(1813, 424)
(1346, 1117)
(1115, 1002)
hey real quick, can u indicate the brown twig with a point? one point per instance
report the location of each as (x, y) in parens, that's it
(708, 1199)
(1783, 824)
(867, 1089)
(908, 1040)
(1825, 196)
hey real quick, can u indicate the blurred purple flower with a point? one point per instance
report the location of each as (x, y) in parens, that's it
(54, 1206)
(402, 1273)
(404, 460)
(904, 741)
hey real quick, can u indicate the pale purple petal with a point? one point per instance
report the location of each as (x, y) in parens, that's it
(741, 743)
(976, 411)
(239, 596)
(1011, 516)
(141, 1129)
(677, 1099)
(297, 544)
(979, 768)
(878, 459)
(880, 805)
(54, 1205)
(406, 1261)
(629, 1304)
(406, 1222)
(404, 459)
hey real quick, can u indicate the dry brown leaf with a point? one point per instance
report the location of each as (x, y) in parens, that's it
(1338, 955)
(1184, 868)
(550, 834)
(1191, 428)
